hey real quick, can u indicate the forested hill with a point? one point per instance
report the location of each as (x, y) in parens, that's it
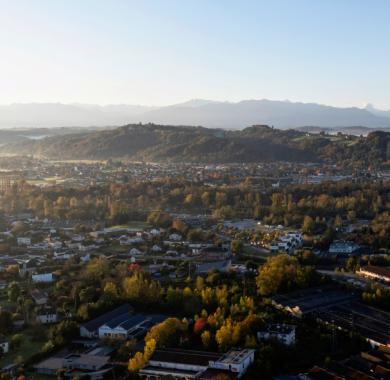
(196, 144)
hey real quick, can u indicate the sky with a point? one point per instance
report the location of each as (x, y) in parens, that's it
(161, 52)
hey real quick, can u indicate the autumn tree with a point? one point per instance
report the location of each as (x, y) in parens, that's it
(167, 333)
(282, 273)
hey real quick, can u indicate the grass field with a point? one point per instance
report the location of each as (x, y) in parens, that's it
(26, 350)
(255, 254)
(135, 225)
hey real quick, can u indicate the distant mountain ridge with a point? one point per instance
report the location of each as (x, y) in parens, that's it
(207, 113)
(164, 143)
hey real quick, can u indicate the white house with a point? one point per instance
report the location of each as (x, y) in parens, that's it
(237, 361)
(47, 317)
(175, 237)
(155, 232)
(55, 244)
(123, 327)
(42, 277)
(287, 243)
(343, 247)
(23, 241)
(135, 252)
(282, 332)
(4, 345)
(156, 248)
(85, 258)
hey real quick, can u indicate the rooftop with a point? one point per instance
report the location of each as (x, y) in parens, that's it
(171, 355)
(380, 271)
(95, 323)
(281, 328)
(236, 356)
(310, 300)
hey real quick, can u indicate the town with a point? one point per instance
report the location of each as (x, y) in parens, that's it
(195, 190)
(120, 288)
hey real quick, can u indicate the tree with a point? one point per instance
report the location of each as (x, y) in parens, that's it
(179, 225)
(64, 332)
(111, 291)
(199, 325)
(139, 360)
(136, 363)
(5, 322)
(199, 283)
(13, 291)
(308, 225)
(160, 219)
(139, 288)
(282, 273)
(237, 246)
(17, 340)
(206, 338)
(97, 269)
(224, 336)
(167, 333)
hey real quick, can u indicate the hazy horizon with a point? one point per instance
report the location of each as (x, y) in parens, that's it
(162, 53)
(366, 105)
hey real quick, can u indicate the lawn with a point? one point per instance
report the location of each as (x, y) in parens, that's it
(134, 225)
(259, 256)
(25, 351)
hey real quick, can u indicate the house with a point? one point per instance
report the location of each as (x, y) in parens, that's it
(23, 241)
(155, 232)
(236, 361)
(214, 253)
(287, 243)
(86, 361)
(40, 297)
(8, 262)
(27, 265)
(4, 345)
(191, 364)
(46, 316)
(375, 272)
(55, 244)
(135, 252)
(125, 326)
(88, 364)
(175, 237)
(343, 247)
(91, 328)
(283, 333)
(42, 277)
(156, 248)
(85, 258)
(49, 366)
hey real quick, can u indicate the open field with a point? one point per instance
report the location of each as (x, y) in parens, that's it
(28, 348)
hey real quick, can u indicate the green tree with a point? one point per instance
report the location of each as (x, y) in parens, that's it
(5, 322)
(14, 291)
(237, 246)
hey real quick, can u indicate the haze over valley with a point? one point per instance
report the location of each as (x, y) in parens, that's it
(212, 114)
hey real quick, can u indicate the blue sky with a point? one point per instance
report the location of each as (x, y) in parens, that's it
(161, 52)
